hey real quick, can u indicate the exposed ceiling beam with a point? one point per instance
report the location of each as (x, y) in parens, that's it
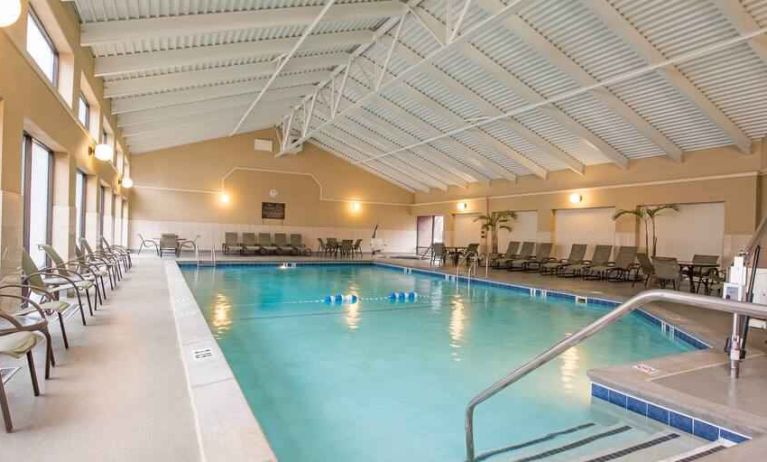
(138, 103)
(519, 88)
(413, 121)
(744, 23)
(564, 63)
(176, 80)
(100, 33)
(142, 62)
(624, 29)
(198, 108)
(333, 150)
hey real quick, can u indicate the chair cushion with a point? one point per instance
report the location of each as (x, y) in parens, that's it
(56, 306)
(17, 344)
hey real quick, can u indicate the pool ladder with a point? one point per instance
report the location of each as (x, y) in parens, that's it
(201, 261)
(639, 300)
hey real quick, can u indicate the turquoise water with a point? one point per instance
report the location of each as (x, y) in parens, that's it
(386, 381)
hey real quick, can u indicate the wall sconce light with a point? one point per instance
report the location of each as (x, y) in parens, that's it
(103, 152)
(355, 206)
(273, 193)
(10, 10)
(224, 197)
(463, 206)
(576, 198)
(126, 182)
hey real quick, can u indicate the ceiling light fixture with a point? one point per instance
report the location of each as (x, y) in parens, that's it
(126, 182)
(575, 198)
(104, 152)
(463, 206)
(10, 10)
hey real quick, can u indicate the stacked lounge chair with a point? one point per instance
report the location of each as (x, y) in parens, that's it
(511, 251)
(542, 256)
(296, 241)
(249, 243)
(518, 262)
(624, 265)
(577, 252)
(281, 242)
(600, 257)
(265, 242)
(231, 243)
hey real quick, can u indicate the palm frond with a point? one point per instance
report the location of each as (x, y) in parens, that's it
(652, 212)
(507, 228)
(638, 212)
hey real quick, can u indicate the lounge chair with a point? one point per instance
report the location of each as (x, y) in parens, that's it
(525, 254)
(148, 243)
(646, 268)
(511, 251)
(322, 249)
(119, 252)
(83, 275)
(332, 246)
(265, 242)
(249, 243)
(97, 265)
(296, 241)
(281, 242)
(357, 248)
(667, 270)
(542, 256)
(16, 342)
(231, 243)
(191, 245)
(46, 282)
(346, 248)
(577, 252)
(624, 264)
(600, 257)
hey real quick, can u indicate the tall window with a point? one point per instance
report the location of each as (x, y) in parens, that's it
(37, 181)
(41, 48)
(84, 111)
(79, 204)
(124, 235)
(102, 203)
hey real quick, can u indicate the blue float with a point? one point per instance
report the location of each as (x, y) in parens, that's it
(403, 296)
(340, 298)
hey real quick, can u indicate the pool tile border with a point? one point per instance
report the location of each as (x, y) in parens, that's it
(680, 421)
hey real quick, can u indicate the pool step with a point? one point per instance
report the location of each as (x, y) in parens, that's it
(593, 442)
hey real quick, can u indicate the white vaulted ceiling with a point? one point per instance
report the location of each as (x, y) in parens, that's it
(511, 87)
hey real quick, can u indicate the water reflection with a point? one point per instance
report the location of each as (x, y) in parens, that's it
(221, 315)
(457, 325)
(569, 369)
(353, 314)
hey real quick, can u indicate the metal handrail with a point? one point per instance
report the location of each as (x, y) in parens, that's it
(639, 300)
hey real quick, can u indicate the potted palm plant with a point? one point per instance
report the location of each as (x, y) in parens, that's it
(494, 222)
(647, 215)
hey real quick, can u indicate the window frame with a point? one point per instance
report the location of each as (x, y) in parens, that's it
(31, 14)
(28, 141)
(101, 205)
(83, 101)
(83, 201)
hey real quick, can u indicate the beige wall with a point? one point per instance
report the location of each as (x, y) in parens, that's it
(28, 102)
(717, 175)
(178, 190)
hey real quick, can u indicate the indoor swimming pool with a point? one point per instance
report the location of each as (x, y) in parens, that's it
(388, 379)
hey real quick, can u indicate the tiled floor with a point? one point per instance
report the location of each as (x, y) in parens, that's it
(118, 394)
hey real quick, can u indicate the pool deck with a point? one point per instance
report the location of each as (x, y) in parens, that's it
(128, 389)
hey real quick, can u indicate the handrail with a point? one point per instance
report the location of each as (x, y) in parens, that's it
(639, 300)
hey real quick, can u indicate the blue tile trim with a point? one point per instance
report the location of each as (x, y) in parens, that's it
(684, 422)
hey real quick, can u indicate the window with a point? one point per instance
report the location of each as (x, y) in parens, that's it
(79, 204)
(84, 112)
(102, 203)
(106, 138)
(124, 235)
(37, 181)
(40, 47)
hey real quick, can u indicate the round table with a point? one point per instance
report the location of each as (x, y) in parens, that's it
(688, 268)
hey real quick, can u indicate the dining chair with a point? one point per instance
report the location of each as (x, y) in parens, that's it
(148, 243)
(667, 270)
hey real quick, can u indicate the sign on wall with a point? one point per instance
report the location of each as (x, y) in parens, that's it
(273, 210)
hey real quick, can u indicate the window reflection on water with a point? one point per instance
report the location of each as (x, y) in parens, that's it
(457, 318)
(569, 368)
(221, 315)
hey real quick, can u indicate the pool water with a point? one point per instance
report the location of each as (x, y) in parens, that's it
(384, 381)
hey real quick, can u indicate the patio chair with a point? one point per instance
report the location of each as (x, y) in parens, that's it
(249, 243)
(357, 248)
(281, 242)
(700, 273)
(667, 271)
(191, 245)
(331, 246)
(31, 316)
(577, 252)
(231, 243)
(321, 248)
(471, 252)
(518, 262)
(168, 243)
(511, 251)
(600, 257)
(346, 248)
(96, 266)
(148, 243)
(624, 265)
(525, 252)
(83, 276)
(265, 242)
(119, 252)
(111, 262)
(55, 284)
(438, 254)
(646, 268)
(542, 255)
(16, 343)
(296, 241)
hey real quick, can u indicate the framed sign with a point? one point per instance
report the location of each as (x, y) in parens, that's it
(273, 210)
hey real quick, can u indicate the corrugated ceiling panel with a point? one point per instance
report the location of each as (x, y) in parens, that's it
(757, 9)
